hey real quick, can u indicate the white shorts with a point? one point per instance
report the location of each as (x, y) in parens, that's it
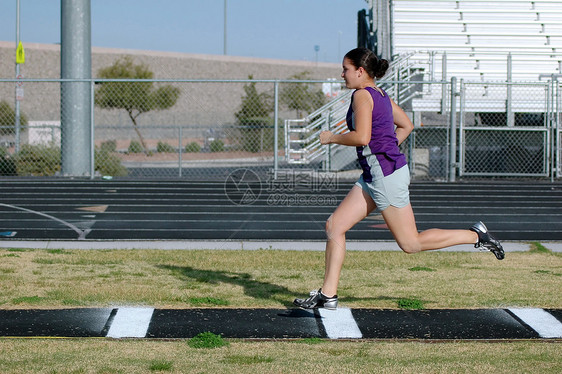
(391, 190)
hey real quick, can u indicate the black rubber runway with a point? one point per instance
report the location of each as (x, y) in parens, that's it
(443, 324)
(236, 209)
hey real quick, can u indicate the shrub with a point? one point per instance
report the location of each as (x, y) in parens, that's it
(109, 146)
(163, 147)
(135, 147)
(193, 147)
(7, 164)
(8, 119)
(107, 163)
(216, 145)
(38, 160)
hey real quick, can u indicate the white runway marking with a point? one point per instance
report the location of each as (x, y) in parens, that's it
(544, 323)
(130, 323)
(340, 324)
(81, 233)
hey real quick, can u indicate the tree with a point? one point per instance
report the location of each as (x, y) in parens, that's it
(255, 106)
(254, 117)
(302, 97)
(135, 97)
(8, 119)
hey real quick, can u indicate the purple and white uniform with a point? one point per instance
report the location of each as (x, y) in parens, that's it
(386, 175)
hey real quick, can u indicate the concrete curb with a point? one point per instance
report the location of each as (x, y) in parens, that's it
(242, 245)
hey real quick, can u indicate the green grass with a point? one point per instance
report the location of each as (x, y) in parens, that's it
(421, 268)
(410, 304)
(28, 300)
(207, 340)
(311, 341)
(208, 301)
(160, 365)
(537, 247)
(247, 360)
(548, 272)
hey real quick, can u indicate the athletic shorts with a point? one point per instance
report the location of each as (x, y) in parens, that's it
(389, 190)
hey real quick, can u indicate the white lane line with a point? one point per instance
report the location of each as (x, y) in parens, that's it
(544, 323)
(130, 323)
(81, 233)
(340, 324)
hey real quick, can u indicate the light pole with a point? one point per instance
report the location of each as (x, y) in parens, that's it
(316, 49)
(224, 30)
(17, 110)
(75, 89)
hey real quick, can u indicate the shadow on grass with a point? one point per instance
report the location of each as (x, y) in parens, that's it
(253, 288)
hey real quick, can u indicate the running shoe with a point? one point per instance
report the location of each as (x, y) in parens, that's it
(317, 300)
(486, 240)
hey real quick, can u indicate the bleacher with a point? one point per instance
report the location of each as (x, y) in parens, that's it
(477, 36)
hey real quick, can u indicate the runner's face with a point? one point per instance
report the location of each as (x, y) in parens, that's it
(350, 74)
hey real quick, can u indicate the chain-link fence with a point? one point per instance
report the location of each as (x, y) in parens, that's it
(204, 129)
(146, 128)
(496, 130)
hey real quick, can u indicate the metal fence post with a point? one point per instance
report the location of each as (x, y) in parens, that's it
(551, 128)
(461, 126)
(92, 132)
(180, 136)
(509, 99)
(276, 131)
(554, 114)
(453, 134)
(444, 78)
(558, 134)
(17, 103)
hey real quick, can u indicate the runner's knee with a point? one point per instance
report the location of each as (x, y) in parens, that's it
(409, 246)
(328, 228)
(332, 228)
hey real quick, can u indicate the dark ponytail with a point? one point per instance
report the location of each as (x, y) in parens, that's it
(366, 59)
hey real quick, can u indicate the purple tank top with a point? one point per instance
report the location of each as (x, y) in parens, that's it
(383, 143)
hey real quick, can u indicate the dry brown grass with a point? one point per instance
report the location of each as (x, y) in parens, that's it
(271, 279)
(135, 356)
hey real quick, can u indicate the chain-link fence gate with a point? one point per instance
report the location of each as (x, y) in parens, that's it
(505, 129)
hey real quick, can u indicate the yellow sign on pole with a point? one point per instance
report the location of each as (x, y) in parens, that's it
(20, 54)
